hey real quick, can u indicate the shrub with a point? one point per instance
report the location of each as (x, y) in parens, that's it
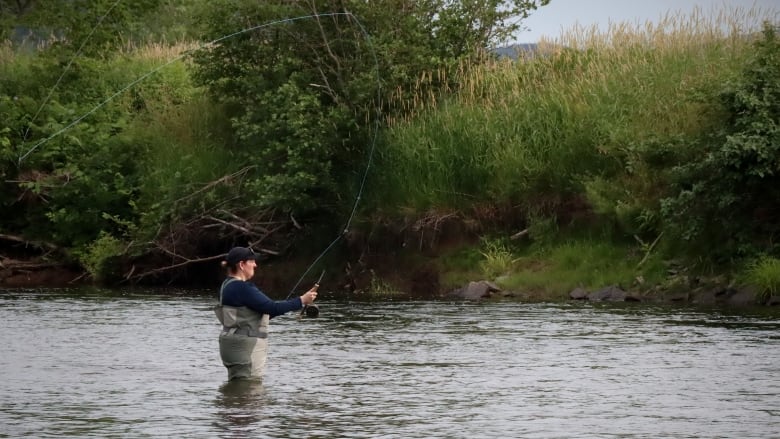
(764, 274)
(102, 258)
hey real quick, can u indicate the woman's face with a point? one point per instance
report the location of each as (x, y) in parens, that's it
(247, 268)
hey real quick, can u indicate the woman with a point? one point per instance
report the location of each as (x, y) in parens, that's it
(244, 312)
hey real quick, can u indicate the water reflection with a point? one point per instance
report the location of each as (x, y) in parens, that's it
(240, 404)
(105, 361)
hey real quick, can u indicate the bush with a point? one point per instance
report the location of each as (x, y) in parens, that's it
(497, 258)
(102, 258)
(764, 274)
(724, 198)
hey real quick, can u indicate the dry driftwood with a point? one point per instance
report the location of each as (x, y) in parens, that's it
(41, 245)
(176, 243)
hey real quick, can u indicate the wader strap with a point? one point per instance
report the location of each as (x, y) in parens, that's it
(224, 284)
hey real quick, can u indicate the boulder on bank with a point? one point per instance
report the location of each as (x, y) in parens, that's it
(726, 296)
(611, 293)
(475, 291)
(578, 294)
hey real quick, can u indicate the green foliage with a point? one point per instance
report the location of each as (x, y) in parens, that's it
(78, 179)
(497, 258)
(643, 127)
(303, 94)
(543, 231)
(380, 289)
(460, 265)
(724, 199)
(583, 263)
(101, 257)
(764, 274)
(287, 124)
(659, 136)
(521, 131)
(292, 113)
(95, 27)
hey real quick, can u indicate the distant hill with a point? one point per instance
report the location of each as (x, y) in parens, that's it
(516, 51)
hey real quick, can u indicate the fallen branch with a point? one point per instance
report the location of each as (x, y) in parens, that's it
(10, 264)
(295, 222)
(519, 234)
(170, 267)
(37, 244)
(649, 249)
(235, 226)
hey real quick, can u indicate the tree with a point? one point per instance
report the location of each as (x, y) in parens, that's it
(305, 80)
(99, 26)
(726, 198)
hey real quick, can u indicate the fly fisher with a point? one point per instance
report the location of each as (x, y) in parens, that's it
(244, 312)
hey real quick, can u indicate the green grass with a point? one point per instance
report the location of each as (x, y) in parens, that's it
(497, 258)
(459, 266)
(518, 131)
(550, 269)
(763, 274)
(379, 289)
(587, 264)
(574, 124)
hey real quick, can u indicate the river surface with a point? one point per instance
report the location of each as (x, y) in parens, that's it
(118, 364)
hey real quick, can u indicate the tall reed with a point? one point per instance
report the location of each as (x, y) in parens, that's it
(517, 131)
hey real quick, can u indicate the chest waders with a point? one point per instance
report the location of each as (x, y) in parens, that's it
(243, 342)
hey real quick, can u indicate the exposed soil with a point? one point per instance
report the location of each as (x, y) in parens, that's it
(42, 277)
(26, 264)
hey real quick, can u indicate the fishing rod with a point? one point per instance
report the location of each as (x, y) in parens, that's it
(369, 162)
(312, 310)
(216, 41)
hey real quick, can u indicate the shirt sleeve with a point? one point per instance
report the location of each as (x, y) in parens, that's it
(247, 294)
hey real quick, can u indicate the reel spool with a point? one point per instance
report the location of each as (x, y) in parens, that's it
(310, 311)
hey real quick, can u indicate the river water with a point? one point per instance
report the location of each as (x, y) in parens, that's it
(93, 363)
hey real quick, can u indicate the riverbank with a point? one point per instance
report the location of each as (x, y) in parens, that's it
(625, 159)
(444, 260)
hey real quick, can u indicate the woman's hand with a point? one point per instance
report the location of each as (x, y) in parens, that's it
(309, 296)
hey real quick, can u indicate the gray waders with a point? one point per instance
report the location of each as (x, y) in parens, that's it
(243, 342)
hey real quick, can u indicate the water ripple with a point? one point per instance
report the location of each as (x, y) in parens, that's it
(143, 364)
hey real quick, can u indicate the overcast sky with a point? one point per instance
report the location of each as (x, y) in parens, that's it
(551, 20)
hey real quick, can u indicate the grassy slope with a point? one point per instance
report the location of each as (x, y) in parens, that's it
(531, 136)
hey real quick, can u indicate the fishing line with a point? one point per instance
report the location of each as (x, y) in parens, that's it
(70, 62)
(183, 55)
(186, 53)
(369, 161)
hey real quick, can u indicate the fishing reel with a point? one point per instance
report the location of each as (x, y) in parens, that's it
(310, 311)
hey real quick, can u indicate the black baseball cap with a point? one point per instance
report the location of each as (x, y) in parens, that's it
(238, 254)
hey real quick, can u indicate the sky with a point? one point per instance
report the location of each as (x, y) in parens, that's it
(552, 20)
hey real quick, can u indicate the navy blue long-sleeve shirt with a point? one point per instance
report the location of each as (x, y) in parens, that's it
(241, 293)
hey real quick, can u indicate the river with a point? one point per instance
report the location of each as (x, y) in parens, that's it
(135, 363)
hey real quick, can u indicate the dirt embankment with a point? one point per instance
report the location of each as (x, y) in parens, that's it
(26, 264)
(402, 257)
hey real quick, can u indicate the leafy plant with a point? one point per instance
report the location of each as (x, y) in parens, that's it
(304, 95)
(379, 288)
(497, 258)
(764, 274)
(101, 257)
(589, 264)
(725, 198)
